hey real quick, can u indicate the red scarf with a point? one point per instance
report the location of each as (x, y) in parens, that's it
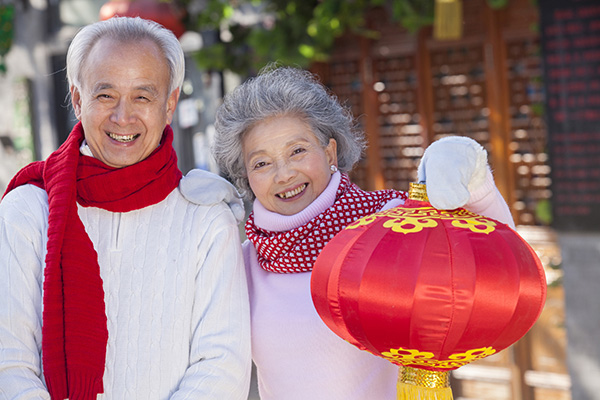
(74, 331)
(297, 249)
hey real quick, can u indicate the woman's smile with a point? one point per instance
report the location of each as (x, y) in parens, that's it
(292, 193)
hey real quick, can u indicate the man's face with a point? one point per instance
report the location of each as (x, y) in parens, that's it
(124, 102)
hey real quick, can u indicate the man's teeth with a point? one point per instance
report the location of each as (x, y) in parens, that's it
(122, 138)
(292, 193)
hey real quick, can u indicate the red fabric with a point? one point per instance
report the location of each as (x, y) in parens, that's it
(74, 332)
(297, 249)
(428, 288)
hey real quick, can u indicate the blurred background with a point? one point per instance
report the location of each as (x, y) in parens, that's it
(521, 77)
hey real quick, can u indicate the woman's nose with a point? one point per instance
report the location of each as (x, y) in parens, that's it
(284, 171)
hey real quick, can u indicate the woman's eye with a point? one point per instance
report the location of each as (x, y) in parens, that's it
(259, 164)
(298, 150)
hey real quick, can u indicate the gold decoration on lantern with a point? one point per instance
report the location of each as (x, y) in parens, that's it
(426, 359)
(426, 378)
(414, 220)
(416, 383)
(417, 191)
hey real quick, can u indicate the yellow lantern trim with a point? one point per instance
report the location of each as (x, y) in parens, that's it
(413, 220)
(424, 378)
(426, 359)
(415, 383)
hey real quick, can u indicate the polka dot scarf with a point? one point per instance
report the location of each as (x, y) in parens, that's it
(297, 249)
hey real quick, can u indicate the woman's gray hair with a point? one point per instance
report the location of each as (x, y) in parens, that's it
(125, 29)
(282, 91)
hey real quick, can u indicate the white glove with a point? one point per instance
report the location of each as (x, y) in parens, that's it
(205, 188)
(452, 168)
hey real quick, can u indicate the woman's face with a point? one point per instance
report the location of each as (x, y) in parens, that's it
(287, 166)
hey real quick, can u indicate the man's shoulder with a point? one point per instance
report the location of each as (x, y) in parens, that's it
(26, 205)
(25, 195)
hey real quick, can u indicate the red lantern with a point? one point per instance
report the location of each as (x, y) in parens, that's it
(163, 12)
(429, 290)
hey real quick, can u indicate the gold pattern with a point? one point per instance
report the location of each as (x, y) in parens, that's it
(417, 191)
(409, 224)
(412, 220)
(424, 378)
(426, 359)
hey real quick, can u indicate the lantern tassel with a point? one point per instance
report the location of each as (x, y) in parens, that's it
(420, 384)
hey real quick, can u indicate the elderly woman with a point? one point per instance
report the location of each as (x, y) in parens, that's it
(288, 144)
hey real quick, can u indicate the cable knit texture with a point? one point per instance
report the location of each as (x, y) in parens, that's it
(175, 295)
(74, 332)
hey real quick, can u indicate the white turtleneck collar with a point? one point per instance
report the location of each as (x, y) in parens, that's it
(272, 221)
(85, 149)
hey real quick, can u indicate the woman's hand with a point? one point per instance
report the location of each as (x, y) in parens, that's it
(205, 188)
(453, 168)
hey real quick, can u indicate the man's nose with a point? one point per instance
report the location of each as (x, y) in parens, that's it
(122, 113)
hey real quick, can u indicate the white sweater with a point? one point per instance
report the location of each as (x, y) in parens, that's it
(297, 356)
(175, 295)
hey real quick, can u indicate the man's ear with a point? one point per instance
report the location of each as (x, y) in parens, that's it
(76, 101)
(171, 104)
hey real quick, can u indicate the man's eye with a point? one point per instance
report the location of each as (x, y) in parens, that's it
(103, 96)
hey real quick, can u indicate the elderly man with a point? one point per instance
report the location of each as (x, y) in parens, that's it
(113, 285)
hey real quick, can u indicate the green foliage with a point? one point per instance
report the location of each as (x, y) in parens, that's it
(293, 32)
(543, 212)
(497, 4)
(7, 13)
(413, 15)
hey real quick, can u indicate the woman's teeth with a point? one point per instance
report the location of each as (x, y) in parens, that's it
(292, 193)
(122, 138)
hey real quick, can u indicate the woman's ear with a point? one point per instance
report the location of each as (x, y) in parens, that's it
(331, 152)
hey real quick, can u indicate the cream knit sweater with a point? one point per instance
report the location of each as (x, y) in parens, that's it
(175, 294)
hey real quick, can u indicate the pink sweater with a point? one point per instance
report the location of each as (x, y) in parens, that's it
(296, 355)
